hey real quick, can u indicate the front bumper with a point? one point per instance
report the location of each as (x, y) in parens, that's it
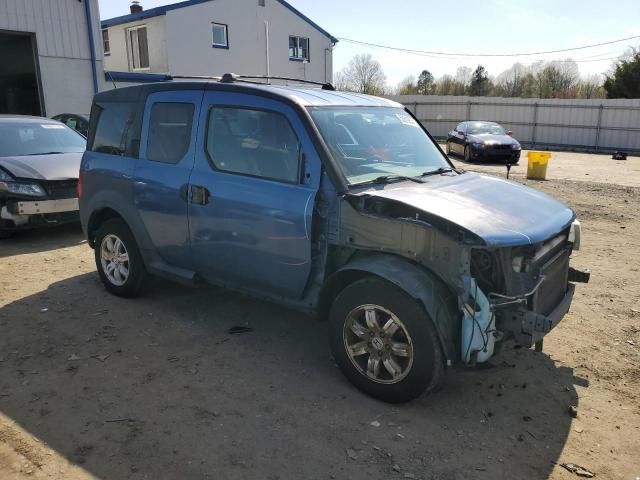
(43, 206)
(535, 326)
(25, 214)
(496, 154)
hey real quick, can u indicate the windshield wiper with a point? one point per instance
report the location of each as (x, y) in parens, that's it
(47, 153)
(441, 170)
(392, 178)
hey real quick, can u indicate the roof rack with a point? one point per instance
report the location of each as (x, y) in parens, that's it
(232, 77)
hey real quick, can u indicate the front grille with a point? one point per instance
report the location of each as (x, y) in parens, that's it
(61, 189)
(554, 286)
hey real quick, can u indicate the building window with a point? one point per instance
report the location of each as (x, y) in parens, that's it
(220, 35)
(138, 48)
(298, 48)
(105, 42)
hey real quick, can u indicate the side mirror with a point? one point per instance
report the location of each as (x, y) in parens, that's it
(461, 133)
(509, 133)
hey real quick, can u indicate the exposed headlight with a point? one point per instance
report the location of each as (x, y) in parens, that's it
(26, 189)
(5, 177)
(516, 263)
(515, 146)
(575, 232)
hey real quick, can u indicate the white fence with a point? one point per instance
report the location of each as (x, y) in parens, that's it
(572, 124)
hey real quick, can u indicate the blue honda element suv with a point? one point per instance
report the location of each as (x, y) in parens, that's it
(333, 203)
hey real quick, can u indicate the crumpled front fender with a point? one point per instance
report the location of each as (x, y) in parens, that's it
(438, 300)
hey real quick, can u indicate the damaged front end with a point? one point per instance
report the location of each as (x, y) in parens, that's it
(529, 288)
(499, 292)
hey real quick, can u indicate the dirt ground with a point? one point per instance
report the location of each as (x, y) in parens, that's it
(93, 386)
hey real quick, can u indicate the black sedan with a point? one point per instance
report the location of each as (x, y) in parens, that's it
(39, 165)
(483, 141)
(79, 123)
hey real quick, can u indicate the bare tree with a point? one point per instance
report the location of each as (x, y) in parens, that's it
(407, 86)
(557, 79)
(590, 87)
(364, 74)
(463, 77)
(511, 82)
(447, 85)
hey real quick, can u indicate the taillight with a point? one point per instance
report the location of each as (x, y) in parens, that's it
(80, 184)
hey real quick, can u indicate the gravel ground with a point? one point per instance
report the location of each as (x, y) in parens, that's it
(93, 386)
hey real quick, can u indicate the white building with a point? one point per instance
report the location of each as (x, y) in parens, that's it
(212, 37)
(50, 60)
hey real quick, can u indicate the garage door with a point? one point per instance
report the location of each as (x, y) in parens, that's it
(19, 86)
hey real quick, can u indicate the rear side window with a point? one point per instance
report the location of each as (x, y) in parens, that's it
(117, 129)
(258, 143)
(169, 131)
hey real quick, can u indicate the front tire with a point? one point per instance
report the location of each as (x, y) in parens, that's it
(384, 342)
(467, 154)
(118, 259)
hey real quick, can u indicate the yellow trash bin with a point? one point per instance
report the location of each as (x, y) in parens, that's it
(537, 166)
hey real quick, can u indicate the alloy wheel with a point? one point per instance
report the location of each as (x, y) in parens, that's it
(378, 344)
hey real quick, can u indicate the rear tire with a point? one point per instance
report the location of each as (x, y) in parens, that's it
(392, 354)
(118, 259)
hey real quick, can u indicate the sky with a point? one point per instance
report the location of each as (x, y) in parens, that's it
(462, 26)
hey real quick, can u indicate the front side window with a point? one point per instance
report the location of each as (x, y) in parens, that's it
(169, 131)
(138, 48)
(370, 142)
(105, 42)
(257, 143)
(21, 138)
(220, 35)
(298, 48)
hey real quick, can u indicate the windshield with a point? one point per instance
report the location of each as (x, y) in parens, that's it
(21, 138)
(485, 128)
(370, 142)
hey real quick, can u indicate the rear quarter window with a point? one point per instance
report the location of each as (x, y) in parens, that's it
(115, 129)
(169, 131)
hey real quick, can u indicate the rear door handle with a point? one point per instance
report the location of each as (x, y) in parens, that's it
(199, 195)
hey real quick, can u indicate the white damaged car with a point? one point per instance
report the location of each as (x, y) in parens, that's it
(39, 165)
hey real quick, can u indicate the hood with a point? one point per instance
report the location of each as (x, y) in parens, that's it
(487, 137)
(61, 166)
(499, 211)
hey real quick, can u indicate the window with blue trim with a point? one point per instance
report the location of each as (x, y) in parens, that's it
(220, 35)
(298, 48)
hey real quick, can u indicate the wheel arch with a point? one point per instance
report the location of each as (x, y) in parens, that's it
(421, 284)
(97, 218)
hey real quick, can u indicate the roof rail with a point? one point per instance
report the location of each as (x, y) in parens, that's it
(233, 77)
